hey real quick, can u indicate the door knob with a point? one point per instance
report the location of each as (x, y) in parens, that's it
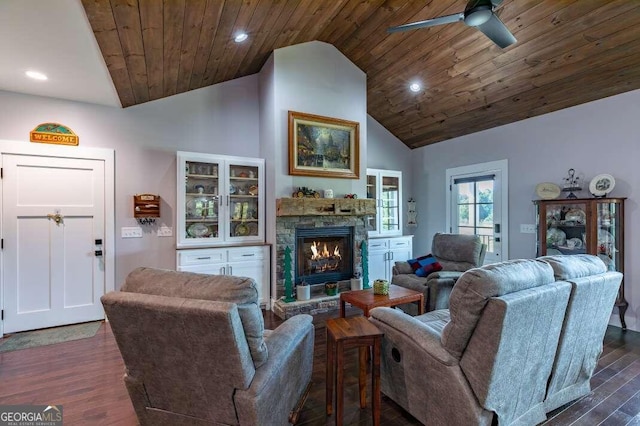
(57, 218)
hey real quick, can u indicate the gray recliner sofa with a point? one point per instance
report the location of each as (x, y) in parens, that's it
(593, 294)
(196, 351)
(508, 349)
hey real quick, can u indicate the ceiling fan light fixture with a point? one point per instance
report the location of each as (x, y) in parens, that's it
(478, 15)
(36, 75)
(415, 87)
(240, 37)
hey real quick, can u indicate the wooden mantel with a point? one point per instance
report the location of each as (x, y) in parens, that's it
(325, 207)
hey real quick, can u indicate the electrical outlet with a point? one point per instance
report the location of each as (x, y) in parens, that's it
(131, 232)
(527, 229)
(165, 231)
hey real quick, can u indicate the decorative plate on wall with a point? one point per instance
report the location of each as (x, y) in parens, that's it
(548, 190)
(601, 185)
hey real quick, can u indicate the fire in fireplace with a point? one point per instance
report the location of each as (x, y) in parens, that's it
(322, 260)
(324, 254)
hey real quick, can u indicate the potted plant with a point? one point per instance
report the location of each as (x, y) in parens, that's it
(331, 288)
(303, 291)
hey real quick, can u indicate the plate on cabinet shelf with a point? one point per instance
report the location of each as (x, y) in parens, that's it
(548, 190)
(605, 236)
(253, 228)
(576, 215)
(242, 230)
(556, 237)
(198, 230)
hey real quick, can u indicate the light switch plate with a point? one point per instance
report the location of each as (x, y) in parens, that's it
(165, 231)
(527, 229)
(131, 232)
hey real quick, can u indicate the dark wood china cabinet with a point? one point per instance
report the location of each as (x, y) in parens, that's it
(588, 225)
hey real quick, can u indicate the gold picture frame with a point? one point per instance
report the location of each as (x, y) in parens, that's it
(323, 146)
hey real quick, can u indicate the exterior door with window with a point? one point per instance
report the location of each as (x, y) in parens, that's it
(476, 206)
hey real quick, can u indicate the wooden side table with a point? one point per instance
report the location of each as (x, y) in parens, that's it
(346, 333)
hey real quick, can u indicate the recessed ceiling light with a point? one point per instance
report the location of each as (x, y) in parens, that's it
(241, 37)
(36, 75)
(415, 87)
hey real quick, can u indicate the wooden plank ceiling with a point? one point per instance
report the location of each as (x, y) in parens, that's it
(568, 52)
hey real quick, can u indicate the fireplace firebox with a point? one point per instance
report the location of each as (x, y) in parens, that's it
(323, 254)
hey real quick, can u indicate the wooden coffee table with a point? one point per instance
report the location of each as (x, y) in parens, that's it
(366, 300)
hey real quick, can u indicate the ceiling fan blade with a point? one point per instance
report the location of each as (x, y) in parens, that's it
(497, 32)
(449, 19)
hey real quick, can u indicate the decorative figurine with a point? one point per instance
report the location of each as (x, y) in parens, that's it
(571, 183)
(288, 285)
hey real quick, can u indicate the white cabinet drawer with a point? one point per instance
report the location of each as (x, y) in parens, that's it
(246, 254)
(200, 257)
(399, 243)
(378, 244)
(218, 269)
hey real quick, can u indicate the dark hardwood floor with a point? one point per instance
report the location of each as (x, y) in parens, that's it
(85, 376)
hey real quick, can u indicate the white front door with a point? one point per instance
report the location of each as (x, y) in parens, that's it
(53, 221)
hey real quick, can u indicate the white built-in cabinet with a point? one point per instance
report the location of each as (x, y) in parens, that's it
(384, 252)
(221, 217)
(246, 261)
(385, 186)
(220, 200)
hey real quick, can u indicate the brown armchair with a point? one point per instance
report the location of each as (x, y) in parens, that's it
(196, 352)
(456, 253)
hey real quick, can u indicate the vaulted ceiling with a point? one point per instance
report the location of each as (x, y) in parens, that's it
(568, 52)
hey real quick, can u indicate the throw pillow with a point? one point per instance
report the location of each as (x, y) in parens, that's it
(415, 263)
(427, 264)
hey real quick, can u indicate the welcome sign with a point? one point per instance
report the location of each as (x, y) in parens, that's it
(54, 133)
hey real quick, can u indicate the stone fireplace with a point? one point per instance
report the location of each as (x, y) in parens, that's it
(338, 224)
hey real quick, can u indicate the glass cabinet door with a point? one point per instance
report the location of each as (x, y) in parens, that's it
(390, 204)
(372, 193)
(244, 201)
(385, 186)
(609, 234)
(566, 228)
(202, 201)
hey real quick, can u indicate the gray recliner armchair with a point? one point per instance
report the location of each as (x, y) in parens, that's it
(196, 351)
(456, 253)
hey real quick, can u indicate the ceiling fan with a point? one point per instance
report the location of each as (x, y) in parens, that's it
(479, 14)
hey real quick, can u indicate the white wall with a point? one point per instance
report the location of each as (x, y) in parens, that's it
(598, 137)
(221, 119)
(387, 152)
(315, 78)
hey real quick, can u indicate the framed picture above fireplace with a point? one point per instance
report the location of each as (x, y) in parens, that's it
(323, 146)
